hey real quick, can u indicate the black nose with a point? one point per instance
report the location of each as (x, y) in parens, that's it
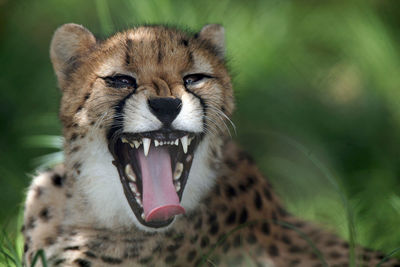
(165, 108)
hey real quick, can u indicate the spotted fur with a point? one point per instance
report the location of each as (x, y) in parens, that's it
(77, 212)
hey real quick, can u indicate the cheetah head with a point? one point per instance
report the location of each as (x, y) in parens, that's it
(143, 115)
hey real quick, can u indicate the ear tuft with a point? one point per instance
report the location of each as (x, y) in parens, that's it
(215, 34)
(69, 43)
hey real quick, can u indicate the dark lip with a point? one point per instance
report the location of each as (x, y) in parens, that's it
(119, 151)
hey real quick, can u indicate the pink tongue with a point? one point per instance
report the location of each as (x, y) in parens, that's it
(160, 200)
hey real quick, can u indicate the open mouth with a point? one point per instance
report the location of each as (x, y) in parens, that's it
(153, 169)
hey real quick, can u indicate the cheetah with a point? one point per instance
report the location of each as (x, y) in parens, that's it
(150, 175)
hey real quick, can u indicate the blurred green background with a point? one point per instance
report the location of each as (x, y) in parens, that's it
(317, 85)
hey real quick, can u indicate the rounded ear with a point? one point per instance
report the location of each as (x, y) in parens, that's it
(215, 34)
(69, 43)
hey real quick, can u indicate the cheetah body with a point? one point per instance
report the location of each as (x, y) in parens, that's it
(78, 212)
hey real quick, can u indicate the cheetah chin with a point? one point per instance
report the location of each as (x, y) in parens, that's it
(153, 168)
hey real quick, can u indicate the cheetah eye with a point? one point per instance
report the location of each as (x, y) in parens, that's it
(194, 78)
(120, 81)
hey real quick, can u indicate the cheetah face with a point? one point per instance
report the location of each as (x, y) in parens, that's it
(149, 103)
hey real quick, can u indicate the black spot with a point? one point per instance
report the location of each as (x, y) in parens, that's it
(38, 191)
(331, 243)
(231, 164)
(111, 260)
(295, 262)
(79, 108)
(295, 249)
(170, 259)
(335, 255)
(230, 191)
(59, 261)
(257, 201)
(71, 248)
(57, 180)
(217, 190)
(191, 255)
(242, 187)
(282, 212)
(198, 223)
(75, 149)
(245, 156)
(31, 223)
(243, 216)
(73, 137)
(274, 216)
(273, 250)
(212, 218)
(172, 248)
(267, 193)
(26, 247)
(204, 241)
(44, 214)
(178, 237)
(237, 241)
(265, 228)
(145, 260)
(49, 241)
(82, 263)
(251, 180)
(214, 228)
(185, 42)
(286, 240)
(366, 257)
(226, 247)
(90, 254)
(194, 238)
(230, 219)
(87, 96)
(380, 256)
(251, 238)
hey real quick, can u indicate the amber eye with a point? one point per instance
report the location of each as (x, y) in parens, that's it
(120, 81)
(194, 78)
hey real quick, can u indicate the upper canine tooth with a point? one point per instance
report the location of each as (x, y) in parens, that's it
(146, 145)
(184, 141)
(156, 143)
(129, 172)
(136, 143)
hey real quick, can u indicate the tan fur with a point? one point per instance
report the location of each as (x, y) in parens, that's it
(239, 221)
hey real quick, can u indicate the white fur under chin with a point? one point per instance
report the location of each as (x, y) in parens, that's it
(100, 187)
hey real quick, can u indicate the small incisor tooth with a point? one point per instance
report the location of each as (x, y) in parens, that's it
(129, 172)
(178, 170)
(136, 143)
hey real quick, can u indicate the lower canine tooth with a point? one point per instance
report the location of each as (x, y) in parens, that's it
(178, 171)
(178, 186)
(129, 172)
(142, 215)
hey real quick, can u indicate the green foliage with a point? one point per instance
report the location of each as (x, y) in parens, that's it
(316, 84)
